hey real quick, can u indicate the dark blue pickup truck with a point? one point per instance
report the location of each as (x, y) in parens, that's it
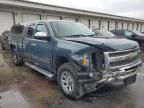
(71, 53)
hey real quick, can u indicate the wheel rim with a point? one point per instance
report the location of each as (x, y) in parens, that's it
(67, 82)
(14, 58)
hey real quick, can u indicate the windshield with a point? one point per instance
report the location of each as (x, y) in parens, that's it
(69, 29)
(104, 33)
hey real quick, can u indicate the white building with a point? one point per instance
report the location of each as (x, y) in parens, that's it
(18, 11)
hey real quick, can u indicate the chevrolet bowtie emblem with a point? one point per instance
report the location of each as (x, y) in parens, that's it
(131, 55)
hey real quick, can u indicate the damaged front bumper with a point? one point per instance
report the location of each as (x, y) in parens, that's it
(120, 67)
(118, 77)
(122, 74)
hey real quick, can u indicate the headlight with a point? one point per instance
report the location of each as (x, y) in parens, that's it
(85, 60)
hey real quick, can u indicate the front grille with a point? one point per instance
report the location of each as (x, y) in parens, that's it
(123, 62)
(121, 58)
(115, 54)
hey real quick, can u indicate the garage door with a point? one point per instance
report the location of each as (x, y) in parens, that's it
(104, 25)
(70, 19)
(138, 29)
(53, 17)
(135, 27)
(130, 26)
(6, 21)
(112, 25)
(125, 25)
(30, 17)
(84, 21)
(94, 24)
(119, 25)
(142, 30)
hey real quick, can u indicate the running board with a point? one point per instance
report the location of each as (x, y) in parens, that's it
(42, 71)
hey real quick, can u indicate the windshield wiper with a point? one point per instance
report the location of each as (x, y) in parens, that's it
(79, 35)
(91, 35)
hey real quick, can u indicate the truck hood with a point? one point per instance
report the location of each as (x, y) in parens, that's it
(116, 44)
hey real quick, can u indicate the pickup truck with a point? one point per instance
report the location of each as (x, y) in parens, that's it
(72, 54)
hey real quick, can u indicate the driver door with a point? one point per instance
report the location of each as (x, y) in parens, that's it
(43, 48)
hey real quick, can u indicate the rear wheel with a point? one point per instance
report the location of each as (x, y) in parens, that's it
(17, 60)
(2, 46)
(68, 82)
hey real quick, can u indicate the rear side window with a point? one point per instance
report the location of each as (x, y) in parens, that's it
(31, 30)
(113, 31)
(118, 33)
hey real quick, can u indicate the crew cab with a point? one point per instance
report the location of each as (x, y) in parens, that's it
(132, 35)
(71, 53)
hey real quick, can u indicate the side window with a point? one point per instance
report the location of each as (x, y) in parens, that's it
(41, 28)
(30, 31)
(120, 33)
(128, 34)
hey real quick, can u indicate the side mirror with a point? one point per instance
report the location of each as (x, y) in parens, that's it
(41, 35)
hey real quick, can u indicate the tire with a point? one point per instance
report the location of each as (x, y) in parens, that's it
(17, 60)
(2, 46)
(68, 82)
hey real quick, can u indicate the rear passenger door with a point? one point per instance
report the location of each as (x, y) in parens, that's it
(43, 48)
(28, 47)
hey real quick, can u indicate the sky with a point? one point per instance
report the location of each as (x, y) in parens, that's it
(128, 8)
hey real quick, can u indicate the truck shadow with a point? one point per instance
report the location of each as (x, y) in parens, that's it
(105, 91)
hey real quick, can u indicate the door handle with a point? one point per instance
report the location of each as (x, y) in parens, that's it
(33, 44)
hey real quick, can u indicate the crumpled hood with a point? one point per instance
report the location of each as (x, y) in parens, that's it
(111, 43)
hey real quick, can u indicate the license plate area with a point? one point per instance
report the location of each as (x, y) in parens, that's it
(130, 80)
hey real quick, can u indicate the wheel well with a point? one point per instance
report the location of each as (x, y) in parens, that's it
(60, 61)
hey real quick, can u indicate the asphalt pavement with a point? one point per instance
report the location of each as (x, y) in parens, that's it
(22, 87)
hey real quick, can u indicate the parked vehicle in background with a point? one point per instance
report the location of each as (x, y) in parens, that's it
(132, 35)
(104, 33)
(70, 52)
(4, 40)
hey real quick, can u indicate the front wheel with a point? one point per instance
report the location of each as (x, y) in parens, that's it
(68, 82)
